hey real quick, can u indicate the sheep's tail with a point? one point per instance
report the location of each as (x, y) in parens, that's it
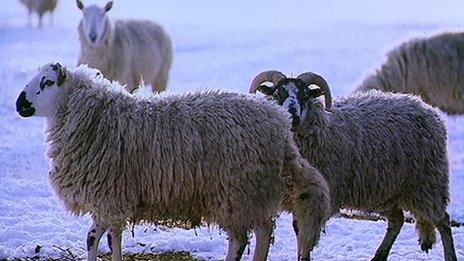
(427, 237)
(311, 205)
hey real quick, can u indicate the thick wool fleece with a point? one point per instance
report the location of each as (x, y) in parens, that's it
(432, 68)
(40, 6)
(133, 51)
(379, 150)
(219, 157)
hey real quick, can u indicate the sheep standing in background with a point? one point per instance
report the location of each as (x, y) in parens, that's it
(126, 51)
(221, 158)
(432, 68)
(40, 7)
(380, 152)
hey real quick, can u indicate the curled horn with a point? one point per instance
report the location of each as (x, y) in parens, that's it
(311, 78)
(266, 76)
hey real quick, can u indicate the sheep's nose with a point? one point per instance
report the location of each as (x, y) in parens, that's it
(23, 106)
(93, 37)
(292, 111)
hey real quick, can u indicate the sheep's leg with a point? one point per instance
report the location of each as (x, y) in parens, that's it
(444, 228)
(29, 17)
(395, 219)
(263, 234)
(426, 231)
(114, 243)
(130, 81)
(93, 237)
(295, 229)
(237, 243)
(40, 20)
(160, 83)
(51, 21)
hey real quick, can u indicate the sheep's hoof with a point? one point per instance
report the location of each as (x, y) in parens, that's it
(426, 246)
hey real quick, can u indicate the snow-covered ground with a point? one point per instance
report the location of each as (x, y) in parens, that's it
(218, 44)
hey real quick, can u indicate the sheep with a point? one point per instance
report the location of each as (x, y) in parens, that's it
(432, 68)
(129, 51)
(379, 152)
(40, 7)
(215, 157)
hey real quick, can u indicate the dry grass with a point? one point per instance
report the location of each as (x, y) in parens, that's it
(181, 256)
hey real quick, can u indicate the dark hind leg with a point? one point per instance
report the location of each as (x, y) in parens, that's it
(444, 229)
(426, 230)
(395, 220)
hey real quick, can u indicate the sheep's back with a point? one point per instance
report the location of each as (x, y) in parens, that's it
(144, 44)
(380, 149)
(40, 6)
(431, 68)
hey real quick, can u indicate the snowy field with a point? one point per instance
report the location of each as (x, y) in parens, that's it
(218, 44)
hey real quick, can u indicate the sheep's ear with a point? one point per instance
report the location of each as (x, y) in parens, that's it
(108, 6)
(80, 5)
(62, 74)
(267, 90)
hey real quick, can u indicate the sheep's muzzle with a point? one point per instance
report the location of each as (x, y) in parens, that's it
(23, 106)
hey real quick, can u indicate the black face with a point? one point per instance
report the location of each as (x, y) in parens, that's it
(289, 93)
(293, 88)
(23, 106)
(293, 95)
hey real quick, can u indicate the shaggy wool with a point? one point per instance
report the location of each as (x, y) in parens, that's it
(432, 68)
(133, 52)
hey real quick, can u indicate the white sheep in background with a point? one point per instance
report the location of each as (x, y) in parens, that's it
(432, 68)
(40, 7)
(380, 152)
(221, 158)
(129, 51)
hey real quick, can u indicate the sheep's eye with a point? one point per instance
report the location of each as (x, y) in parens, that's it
(49, 82)
(282, 93)
(304, 94)
(37, 92)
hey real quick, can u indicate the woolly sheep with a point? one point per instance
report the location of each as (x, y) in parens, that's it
(221, 158)
(40, 7)
(432, 68)
(379, 152)
(129, 51)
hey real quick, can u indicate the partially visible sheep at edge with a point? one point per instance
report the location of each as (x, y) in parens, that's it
(40, 7)
(379, 152)
(222, 158)
(129, 51)
(432, 68)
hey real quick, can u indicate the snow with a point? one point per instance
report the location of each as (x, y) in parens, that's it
(218, 44)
